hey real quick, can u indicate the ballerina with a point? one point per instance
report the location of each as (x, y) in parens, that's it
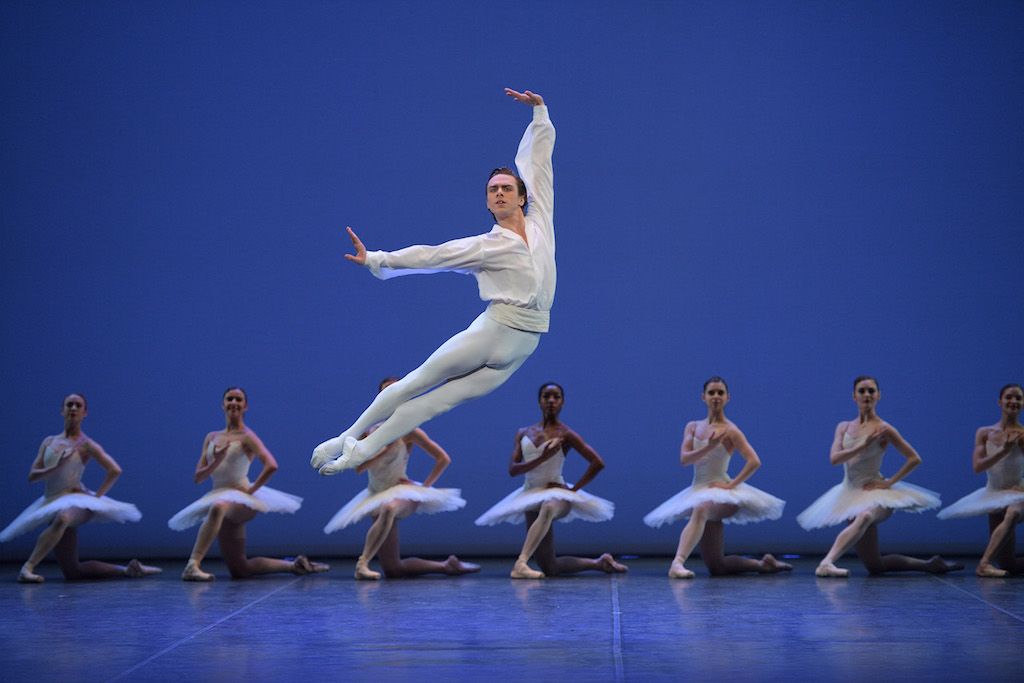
(392, 496)
(514, 265)
(67, 504)
(714, 498)
(865, 498)
(997, 452)
(225, 458)
(539, 453)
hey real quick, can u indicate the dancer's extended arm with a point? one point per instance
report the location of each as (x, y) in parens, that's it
(533, 161)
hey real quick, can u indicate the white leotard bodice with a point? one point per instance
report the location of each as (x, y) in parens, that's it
(713, 466)
(546, 472)
(67, 478)
(233, 471)
(390, 468)
(865, 466)
(1009, 471)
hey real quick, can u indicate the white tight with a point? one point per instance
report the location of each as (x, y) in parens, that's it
(471, 364)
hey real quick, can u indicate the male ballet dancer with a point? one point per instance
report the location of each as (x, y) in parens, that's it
(514, 265)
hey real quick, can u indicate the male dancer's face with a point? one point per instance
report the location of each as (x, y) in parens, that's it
(503, 198)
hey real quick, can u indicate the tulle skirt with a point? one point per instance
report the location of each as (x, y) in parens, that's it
(843, 502)
(982, 502)
(754, 504)
(512, 508)
(265, 499)
(430, 500)
(43, 511)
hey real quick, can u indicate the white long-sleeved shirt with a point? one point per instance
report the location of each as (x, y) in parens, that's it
(507, 269)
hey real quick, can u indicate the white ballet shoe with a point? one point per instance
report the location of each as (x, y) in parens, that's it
(27, 576)
(348, 459)
(830, 571)
(327, 451)
(364, 573)
(194, 573)
(521, 570)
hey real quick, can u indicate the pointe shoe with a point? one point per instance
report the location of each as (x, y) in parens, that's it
(678, 571)
(364, 573)
(27, 576)
(302, 566)
(348, 459)
(136, 569)
(521, 570)
(830, 571)
(194, 573)
(987, 571)
(327, 451)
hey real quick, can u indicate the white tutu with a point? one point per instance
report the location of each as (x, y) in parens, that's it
(843, 502)
(1004, 480)
(265, 499)
(754, 504)
(366, 503)
(982, 502)
(43, 511)
(512, 508)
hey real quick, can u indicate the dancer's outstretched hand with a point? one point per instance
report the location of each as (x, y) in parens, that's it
(360, 255)
(530, 98)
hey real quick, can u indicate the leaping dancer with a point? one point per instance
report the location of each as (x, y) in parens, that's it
(514, 265)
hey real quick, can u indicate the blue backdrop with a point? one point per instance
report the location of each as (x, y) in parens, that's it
(788, 194)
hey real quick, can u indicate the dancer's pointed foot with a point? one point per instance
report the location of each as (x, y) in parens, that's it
(771, 565)
(364, 573)
(302, 566)
(937, 565)
(608, 565)
(27, 576)
(136, 569)
(454, 566)
(194, 573)
(678, 571)
(521, 570)
(327, 451)
(986, 570)
(348, 459)
(829, 570)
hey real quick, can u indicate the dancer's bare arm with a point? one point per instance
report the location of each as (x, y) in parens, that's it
(441, 459)
(743, 447)
(252, 443)
(575, 441)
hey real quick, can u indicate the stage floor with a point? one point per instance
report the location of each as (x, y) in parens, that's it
(640, 626)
